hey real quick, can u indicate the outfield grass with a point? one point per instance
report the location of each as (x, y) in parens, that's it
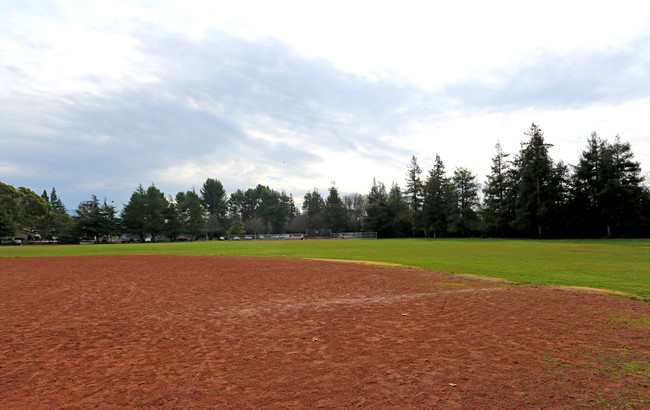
(619, 265)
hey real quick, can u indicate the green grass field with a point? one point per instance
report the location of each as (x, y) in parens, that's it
(619, 265)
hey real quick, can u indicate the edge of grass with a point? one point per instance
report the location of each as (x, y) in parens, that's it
(619, 266)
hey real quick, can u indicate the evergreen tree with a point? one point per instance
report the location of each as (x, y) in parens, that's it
(262, 208)
(146, 212)
(274, 208)
(414, 192)
(498, 207)
(399, 213)
(538, 178)
(438, 202)
(622, 197)
(334, 212)
(377, 215)
(644, 226)
(192, 213)
(466, 188)
(134, 213)
(244, 203)
(215, 201)
(559, 219)
(109, 222)
(313, 206)
(607, 195)
(89, 221)
(156, 207)
(173, 222)
(62, 224)
(237, 227)
(587, 182)
(57, 205)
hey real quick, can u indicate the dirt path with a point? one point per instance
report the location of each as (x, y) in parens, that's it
(180, 331)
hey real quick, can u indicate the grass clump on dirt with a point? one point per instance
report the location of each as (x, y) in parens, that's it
(616, 265)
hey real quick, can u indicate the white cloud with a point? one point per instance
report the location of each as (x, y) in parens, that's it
(468, 139)
(97, 139)
(294, 94)
(13, 170)
(430, 43)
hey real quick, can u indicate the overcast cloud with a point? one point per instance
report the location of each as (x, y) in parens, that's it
(99, 98)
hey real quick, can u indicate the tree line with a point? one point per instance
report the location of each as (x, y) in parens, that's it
(528, 195)
(532, 196)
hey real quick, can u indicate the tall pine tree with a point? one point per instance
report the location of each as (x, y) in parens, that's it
(414, 193)
(622, 197)
(540, 188)
(377, 215)
(215, 201)
(438, 201)
(466, 187)
(57, 205)
(587, 184)
(313, 205)
(336, 216)
(607, 195)
(399, 213)
(498, 195)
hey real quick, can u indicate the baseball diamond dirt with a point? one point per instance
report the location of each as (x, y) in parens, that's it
(213, 332)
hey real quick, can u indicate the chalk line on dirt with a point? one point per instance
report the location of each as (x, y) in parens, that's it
(280, 307)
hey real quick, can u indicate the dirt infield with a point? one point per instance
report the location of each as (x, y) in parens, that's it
(189, 331)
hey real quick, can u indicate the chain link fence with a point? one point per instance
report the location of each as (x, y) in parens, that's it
(310, 234)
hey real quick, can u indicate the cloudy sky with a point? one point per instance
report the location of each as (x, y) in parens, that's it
(99, 97)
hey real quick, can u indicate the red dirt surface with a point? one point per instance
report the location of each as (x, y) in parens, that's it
(189, 331)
